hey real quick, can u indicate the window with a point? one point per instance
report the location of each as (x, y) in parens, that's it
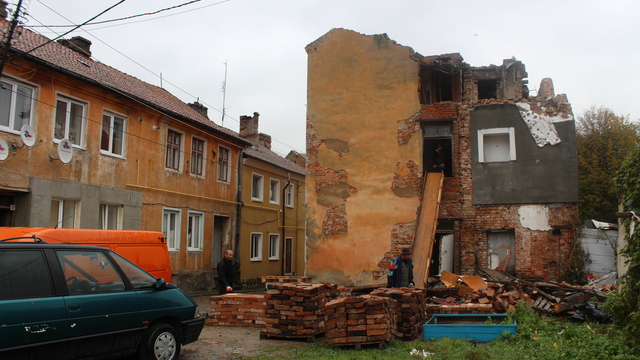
(496, 145)
(63, 213)
(15, 105)
(288, 195)
(223, 164)
(171, 228)
(174, 143)
(112, 141)
(89, 272)
(110, 217)
(195, 229)
(274, 191)
(70, 121)
(197, 156)
(256, 246)
(24, 274)
(274, 246)
(256, 187)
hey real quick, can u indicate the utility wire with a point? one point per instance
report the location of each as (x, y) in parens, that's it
(120, 19)
(76, 27)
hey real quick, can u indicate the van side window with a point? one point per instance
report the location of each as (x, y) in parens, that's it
(89, 272)
(24, 274)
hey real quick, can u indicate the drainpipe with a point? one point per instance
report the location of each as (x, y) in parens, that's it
(236, 246)
(284, 206)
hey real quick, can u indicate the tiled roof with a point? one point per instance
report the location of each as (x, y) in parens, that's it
(264, 154)
(64, 59)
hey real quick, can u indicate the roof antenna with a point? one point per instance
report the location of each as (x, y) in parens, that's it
(224, 93)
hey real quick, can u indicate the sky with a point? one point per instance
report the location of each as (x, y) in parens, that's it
(255, 49)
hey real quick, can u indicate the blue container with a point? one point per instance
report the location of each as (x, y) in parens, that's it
(466, 326)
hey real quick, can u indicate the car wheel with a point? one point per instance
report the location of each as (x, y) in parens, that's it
(160, 343)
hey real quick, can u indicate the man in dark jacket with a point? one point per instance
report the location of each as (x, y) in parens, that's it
(401, 270)
(226, 273)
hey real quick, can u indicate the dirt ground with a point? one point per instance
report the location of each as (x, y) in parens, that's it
(225, 342)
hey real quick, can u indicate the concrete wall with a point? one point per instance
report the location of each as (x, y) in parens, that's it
(363, 182)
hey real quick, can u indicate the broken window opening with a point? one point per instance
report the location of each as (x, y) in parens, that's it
(437, 148)
(488, 89)
(501, 254)
(437, 86)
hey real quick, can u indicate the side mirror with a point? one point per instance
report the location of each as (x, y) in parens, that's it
(161, 283)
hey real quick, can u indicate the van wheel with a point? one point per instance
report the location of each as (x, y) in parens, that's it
(160, 343)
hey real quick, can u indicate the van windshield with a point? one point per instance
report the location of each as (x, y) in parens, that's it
(139, 278)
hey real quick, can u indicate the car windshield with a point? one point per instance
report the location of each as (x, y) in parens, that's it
(138, 277)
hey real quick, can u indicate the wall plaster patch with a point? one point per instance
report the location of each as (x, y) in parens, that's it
(534, 217)
(541, 126)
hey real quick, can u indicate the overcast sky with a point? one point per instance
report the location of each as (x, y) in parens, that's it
(589, 48)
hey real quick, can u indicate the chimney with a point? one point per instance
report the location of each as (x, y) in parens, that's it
(200, 108)
(3, 9)
(249, 128)
(265, 140)
(78, 44)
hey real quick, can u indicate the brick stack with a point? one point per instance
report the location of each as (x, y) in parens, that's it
(241, 310)
(360, 320)
(410, 310)
(295, 310)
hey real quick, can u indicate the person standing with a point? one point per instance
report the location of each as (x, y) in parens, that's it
(438, 159)
(401, 270)
(226, 273)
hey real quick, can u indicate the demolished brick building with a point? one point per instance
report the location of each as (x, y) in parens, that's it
(505, 198)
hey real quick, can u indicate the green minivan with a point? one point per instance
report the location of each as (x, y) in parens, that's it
(60, 301)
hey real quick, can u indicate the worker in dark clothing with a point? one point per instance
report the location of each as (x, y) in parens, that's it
(226, 273)
(401, 270)
(438, 159)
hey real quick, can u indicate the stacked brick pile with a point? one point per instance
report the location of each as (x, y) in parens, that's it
(360, 320)
(410, 310)
(242, 310)
(295, 310)
(468, 308)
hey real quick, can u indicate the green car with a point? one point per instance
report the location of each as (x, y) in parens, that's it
(85, 302)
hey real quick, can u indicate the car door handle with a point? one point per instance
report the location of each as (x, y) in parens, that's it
(74, 307)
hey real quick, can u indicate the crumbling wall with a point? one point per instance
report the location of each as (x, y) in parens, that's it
(364, 156)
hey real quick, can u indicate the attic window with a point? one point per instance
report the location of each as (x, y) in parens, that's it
(81, 61)
(488, 89)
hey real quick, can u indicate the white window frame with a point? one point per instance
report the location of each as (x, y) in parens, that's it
(12, 127)
(173, 239)
(197, 158)
(104, 216)
(257, 190)
(110, 147)
(173, 150)
(69, 101)
(255, 246)
(274, 191)
(70, 221)
(224, 164)
(195, 231)
(288, 196)
(497, 131)
(274, 246)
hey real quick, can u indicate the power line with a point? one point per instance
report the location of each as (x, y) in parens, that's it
(119, 19)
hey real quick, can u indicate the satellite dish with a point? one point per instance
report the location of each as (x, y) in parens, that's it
(28, 135)
(4, 150)
(65, 151)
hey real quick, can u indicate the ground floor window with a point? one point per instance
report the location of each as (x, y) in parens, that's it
(63, 213)
(171, 228)
(256, 246)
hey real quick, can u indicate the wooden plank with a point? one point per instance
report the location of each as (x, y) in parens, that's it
(427, 223)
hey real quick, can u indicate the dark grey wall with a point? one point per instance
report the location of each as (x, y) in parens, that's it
(538, 175)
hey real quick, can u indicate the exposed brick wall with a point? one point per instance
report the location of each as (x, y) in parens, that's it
(412, 179)
(335, 221)
(402, 236)
(442, 110)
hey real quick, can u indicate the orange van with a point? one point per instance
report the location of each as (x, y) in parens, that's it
(147, 249)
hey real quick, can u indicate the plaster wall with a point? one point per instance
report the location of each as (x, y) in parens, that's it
(363, 183)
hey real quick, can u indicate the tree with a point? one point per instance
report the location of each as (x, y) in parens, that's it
(603, 141)
(624, 304)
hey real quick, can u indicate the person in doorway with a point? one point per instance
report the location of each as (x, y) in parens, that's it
(401, 270)
(226, 271)
(438, 159)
